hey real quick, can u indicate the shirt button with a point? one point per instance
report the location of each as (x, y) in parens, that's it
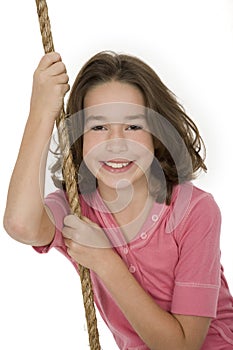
(125, 250)
(143, 235)
(132, 269)
(154, 217)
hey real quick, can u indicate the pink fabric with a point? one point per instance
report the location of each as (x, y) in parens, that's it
(175, 257)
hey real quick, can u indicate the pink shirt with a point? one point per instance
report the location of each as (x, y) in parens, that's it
(175, 257)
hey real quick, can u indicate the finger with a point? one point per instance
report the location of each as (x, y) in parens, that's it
(61, 79)
(73, 221)
(57, 68)
(62, 89)
(66, 241)
(70, 244)
(67, 232)
(49, 59)
(69, 247)
(89, 238)
(66, 88)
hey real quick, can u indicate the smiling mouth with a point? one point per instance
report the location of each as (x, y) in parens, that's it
(117, 165)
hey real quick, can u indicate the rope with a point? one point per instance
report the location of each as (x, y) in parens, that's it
(69, 172)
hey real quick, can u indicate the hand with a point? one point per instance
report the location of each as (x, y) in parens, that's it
(50, 84)
(87, 243)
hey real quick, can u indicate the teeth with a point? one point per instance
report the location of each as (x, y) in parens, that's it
(116, 165)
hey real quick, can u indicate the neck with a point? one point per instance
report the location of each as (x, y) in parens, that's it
(126, 195)
(129, 205)
(133, 216)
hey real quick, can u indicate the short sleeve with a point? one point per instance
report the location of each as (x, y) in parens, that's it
(198, 270)
(58, 205)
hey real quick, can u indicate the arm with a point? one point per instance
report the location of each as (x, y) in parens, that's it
(26, 219)
(159, 329)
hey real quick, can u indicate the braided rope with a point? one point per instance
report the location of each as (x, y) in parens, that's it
(69, 173)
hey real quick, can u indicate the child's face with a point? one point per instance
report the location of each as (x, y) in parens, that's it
(117, 147)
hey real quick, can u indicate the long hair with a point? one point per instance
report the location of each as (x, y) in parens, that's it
(108, 66)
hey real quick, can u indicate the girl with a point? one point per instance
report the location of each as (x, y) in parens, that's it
(149, 237)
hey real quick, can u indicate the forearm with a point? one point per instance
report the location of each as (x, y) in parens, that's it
(25, 218)
(157, 328)
(24, 206)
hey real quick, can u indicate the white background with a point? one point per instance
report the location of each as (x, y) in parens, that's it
(189, 44)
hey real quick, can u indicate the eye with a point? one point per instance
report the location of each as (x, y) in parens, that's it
(134, 127)
(98, 128)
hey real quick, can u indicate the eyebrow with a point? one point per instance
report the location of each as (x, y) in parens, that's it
(95, 117)
(105, 119)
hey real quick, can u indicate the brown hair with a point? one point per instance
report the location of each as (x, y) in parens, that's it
(108, 66)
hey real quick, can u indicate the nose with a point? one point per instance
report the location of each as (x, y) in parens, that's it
(116, 142)
(117, 145)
